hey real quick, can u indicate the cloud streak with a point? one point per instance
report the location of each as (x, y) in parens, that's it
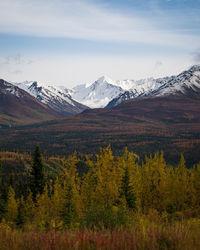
(86, 20)
(15, 59)
(13, 64)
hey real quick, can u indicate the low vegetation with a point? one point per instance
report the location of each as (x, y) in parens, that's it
(98, 202)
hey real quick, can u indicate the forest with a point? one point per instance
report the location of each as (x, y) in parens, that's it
(101, 201)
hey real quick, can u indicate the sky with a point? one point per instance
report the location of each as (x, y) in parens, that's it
(69, 42)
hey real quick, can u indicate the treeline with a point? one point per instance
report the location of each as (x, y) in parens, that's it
(101, 191)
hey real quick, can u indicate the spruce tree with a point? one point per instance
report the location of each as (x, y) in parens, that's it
(127, 190)
(20, 220)
(37, 173)
(68, 211)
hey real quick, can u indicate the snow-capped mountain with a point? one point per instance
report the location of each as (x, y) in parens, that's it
(105, 90)
(98, 94)
(138, 88)
(188, 82)
(17, 107)
(7, 88)
(108, 93)
(57, 98)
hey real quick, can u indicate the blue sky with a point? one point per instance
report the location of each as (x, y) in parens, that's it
(70, 42)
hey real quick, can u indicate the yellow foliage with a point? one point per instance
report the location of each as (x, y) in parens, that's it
(12, 207)
(162, 193)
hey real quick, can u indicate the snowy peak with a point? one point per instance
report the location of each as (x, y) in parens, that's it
(97, 94)
(186, 83)
(9, 89)
(104, 90)
(105, 80)
(58, 99)
(195, 68)
(40, 90)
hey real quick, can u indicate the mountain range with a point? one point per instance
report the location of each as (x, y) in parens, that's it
(146, 115)
(108, 93)
(51, 102)
(187, 82)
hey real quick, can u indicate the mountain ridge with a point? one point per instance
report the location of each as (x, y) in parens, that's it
(105, 92)
(17, 107)
(187, 82)
(56, 98)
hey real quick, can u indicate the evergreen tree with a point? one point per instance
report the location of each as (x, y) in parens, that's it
(68, 210)
(20, 220)
(37, 185)
(127, 190)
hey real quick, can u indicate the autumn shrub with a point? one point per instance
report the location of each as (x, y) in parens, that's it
(180, 236)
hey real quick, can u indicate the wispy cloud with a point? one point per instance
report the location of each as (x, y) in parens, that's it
(86, 20)
(13, 64)
(15, 59)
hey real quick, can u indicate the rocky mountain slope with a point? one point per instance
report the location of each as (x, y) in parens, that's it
(57, 98)
(17, 107)
(186, 83)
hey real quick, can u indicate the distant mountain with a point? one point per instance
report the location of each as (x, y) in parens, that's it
(17, 107)
(108, 93)
(57, 98)
(104, 92)
(47, 102)
(186, 83)
(98, 94)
